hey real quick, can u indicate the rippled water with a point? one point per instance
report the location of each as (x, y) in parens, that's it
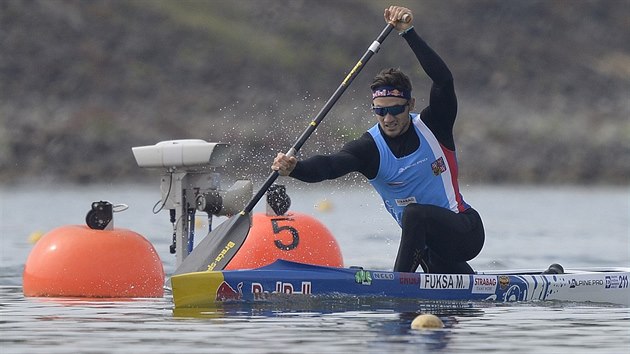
(526, 228)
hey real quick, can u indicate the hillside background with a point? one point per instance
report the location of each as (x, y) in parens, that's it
(543, 86)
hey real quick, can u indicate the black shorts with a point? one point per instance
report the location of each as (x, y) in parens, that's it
(439, 239)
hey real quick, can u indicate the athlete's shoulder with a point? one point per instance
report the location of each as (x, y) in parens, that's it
(360, 145)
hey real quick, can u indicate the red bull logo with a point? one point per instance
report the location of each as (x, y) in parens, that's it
(281, 288)
(226, 292)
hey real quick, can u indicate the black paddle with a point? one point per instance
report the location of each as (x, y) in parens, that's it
(216, 250)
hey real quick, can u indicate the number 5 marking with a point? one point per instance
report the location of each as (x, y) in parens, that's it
(294, 232)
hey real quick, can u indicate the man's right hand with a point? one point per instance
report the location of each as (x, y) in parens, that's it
(284, 164)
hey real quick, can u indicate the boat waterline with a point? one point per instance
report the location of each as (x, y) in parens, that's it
(282, 278)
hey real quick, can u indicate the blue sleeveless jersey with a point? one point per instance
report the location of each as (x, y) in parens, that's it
(427, 176)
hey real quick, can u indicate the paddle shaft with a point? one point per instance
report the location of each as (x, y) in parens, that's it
(322, 113)
(216, 250)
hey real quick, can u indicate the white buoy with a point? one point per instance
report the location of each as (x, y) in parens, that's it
(427, 321)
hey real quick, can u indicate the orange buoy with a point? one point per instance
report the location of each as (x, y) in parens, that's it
(78, 261)
(294, 236)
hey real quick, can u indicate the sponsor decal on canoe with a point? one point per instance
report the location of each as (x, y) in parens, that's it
(574, 283)
(363, 277)
(616, 282)
(226, 292)
(383, 276)
(408, 279)
(484, 284)
(445, 281)
(504, 281)
(260, 293)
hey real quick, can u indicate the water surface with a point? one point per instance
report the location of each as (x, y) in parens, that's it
(527, 227)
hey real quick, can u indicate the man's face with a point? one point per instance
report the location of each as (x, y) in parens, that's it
(393, 125)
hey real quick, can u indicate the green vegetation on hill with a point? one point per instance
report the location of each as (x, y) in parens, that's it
(544, 86)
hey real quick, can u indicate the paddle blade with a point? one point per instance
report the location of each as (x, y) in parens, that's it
(216, 250)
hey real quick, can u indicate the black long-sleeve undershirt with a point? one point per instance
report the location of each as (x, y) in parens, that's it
(361, 155)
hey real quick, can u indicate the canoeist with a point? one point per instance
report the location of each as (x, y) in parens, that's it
(409, 158)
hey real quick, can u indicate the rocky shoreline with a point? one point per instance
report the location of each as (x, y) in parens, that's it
(542, 86)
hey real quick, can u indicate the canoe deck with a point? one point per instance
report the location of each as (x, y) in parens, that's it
(207, 289)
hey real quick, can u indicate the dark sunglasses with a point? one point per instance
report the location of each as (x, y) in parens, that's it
(393, 110)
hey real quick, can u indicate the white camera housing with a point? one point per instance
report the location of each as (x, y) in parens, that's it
(189, 183)
(184, 153)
